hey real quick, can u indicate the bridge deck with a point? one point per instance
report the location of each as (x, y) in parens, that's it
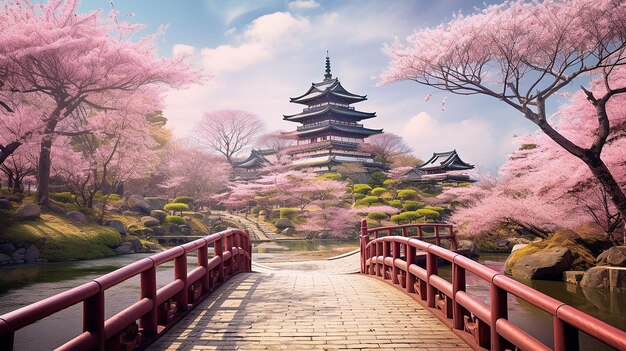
(309, 306)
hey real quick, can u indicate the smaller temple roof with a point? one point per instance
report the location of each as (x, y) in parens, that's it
(256, 159)
(357, 115)
(448, 161)
(327, 87)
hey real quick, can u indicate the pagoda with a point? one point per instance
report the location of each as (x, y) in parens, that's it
(329, 134)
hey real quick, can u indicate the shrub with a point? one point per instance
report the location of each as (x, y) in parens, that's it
(377, 215)
(430, 214)
(368, 200)
(376, 178)
(174, 220)
(331, 176)
(397, 219)
(410, 205)
(65, 197)
(395, 203)
(410, 216)
(288, 213)
(255, 210)
(407, 194)
(358, 196)
(173, 207)
(390, 183)
(182, 200)
(362, 188)
(378, 191)
(434, 208)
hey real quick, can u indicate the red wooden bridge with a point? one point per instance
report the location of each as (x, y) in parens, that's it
(222, 304)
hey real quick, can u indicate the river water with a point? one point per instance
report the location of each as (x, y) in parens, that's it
(26, 284)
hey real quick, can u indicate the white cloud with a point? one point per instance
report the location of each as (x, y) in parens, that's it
(473, 139)
(265, 37)
(303, 4)
(234, 12)
(182, 49)
(230, 31)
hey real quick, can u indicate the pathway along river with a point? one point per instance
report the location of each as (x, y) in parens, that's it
(23, 285)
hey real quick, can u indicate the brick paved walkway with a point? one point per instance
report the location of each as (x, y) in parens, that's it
(296, 308)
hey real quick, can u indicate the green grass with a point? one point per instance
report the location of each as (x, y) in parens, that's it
(60, 239)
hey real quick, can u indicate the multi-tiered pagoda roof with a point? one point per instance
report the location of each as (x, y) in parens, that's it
(441, 167)
(330, 133)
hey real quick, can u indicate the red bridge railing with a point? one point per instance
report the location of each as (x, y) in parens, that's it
(482, 327)
(156, 310)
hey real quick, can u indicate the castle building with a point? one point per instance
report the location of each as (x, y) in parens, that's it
(441, 167)
(329, 133)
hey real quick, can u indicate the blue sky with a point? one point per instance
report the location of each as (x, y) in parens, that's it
(260, 53)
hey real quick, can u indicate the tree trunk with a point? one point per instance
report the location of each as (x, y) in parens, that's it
(8, 150)
(43, 171)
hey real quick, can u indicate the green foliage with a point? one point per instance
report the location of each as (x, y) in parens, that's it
(174, 220)
(410, 205)
(376, 215)
(64, 197)
(398, 219)
(376, 179)
(331, 176)
(182, 200)
(358, 196)
(434, 208)
(378, 191)
(390, 183)
(395, 203)
(407, 194)
(173, 207)
(288, 213)
(430, 214)
(362, 188)
(368, 200)
(255, 210)
(410, 216)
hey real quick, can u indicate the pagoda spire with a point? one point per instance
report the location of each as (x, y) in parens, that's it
(327, 76)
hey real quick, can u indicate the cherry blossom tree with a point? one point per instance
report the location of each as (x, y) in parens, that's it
(385, 147)
(227, 131)
(277, 141)
(72, 60)
(337, 222)
(523, 53)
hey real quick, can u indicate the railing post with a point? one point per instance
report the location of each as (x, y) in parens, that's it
(431, 269)
(386, 253)
(203, 261)
(364, 238)
(7, 341)
(379, 253)
(410, 260)
(93, 317)
(229, 247)
(404, 232)
(419, 232)
(437, 239)
(394, 269)
(180, 272)
(565, 336)
(218, 247)
(458, 284)
(453, 244)
(148, 290)
(245, 246)
(498, 305)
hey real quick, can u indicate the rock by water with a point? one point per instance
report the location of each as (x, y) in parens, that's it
(546, 264)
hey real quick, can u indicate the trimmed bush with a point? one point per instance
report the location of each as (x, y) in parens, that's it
(397, 219)
(377, 215)
(376, 179)
(395, 203)
(174, 220)
(429, 214)
(288, 212)
(255, 210)
(362, 188)
(434, 208)
(176, 207)
(369, 200)
(407, 194)
(390, 183)
(410, 216)
(331, 176)
(378, 191)
(410, 205)
(358, 196)
(182, 200)
(65, 197)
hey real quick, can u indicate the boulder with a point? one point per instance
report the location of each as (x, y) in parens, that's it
(117, 225)
(138, 203)
(124, 248)
(517, 247)
(184, 229)
(172, 228)
(7, 248)
(15, 198)
(187, 219)
(548, 264)
(157, 230)
(77, 216)
(5, 204)
(136, 244)
(128, 213)
(149, 221)
(28, 211)
(4, 259)
(156, 203)
(283, 223)
(197, 215)
(18, 255)
(612, 278)
(593, 237)
(573, 277)
(288, 231)
(158, 214)
(615, 256)
(467, 248)
(32, 253)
